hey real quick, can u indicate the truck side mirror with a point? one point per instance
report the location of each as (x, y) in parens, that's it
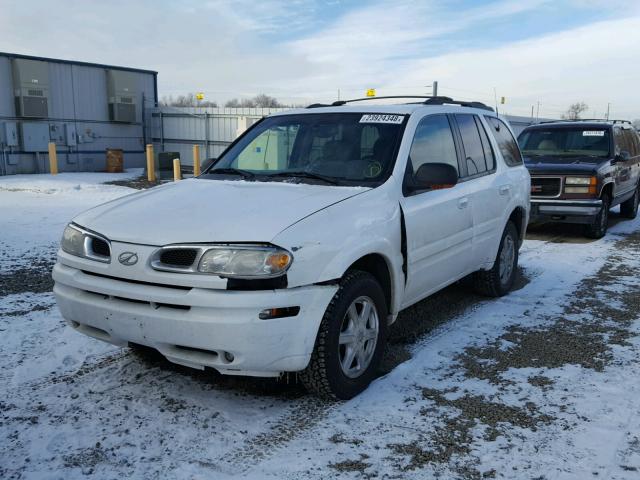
(623, 156)
(435, 176)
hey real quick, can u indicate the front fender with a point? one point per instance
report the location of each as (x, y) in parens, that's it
(327, 243)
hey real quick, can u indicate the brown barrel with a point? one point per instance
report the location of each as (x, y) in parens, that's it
(115, 160)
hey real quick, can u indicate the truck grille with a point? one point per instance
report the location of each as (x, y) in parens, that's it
(546, 186)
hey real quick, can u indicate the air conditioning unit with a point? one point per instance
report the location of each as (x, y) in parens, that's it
(31, 88)
(122, 94)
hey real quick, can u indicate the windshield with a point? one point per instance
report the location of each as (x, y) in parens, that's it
(338, 149)
(569, 142)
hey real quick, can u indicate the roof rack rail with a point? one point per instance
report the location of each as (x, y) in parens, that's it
(603, 120)
(428, 100)
(448, 100)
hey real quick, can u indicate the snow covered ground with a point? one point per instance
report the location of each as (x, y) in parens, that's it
(543, 383)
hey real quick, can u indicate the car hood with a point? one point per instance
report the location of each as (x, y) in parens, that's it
(201, 211)
(563, 165)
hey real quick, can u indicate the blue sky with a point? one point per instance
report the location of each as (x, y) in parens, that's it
(301, 51)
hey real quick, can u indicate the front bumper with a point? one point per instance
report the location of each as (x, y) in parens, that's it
(196, 327)
(567, 211)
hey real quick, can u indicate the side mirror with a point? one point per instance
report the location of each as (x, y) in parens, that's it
(623, 156)
(435, 176)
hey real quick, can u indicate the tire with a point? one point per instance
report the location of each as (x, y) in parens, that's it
(629, 208)
(499, 280)
(598, 228)
(326, 376)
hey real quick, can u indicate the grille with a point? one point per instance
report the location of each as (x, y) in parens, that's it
(545, 186)
(183, 257)
(100, 247)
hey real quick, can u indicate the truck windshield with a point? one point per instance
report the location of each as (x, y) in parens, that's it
(569, 142)
(345, 149)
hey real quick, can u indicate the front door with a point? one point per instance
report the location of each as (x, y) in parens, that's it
(439, 223)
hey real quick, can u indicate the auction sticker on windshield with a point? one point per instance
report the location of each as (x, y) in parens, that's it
(593, 133)
(381, 118)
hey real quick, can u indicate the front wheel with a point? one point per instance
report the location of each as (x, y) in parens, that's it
(598, 228)
(350, 341)
(499, 280)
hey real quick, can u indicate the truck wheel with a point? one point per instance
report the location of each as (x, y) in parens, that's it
(629, 209)
(350, 341)
(499, 280)
(598, 228)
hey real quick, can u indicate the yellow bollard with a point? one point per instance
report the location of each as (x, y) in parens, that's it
(53, 159)
(196, 160)
(151, 167)
(176, 170)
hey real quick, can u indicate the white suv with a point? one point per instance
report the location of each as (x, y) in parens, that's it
(298, 247)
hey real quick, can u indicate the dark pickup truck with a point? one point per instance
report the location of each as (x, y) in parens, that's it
(580, 169)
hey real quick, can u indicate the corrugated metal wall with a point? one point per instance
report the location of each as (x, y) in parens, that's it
(77, 96)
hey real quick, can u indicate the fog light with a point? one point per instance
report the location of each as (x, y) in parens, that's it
(269, 313)
(228, 356)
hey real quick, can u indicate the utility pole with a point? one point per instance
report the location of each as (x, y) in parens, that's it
(532, 113)
(434, 89)
(538, 112)
(608, 110)
(338, 94)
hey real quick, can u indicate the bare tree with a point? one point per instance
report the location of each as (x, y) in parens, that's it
(188, 100)
(262, 100)
(575, 110)
(636, 123)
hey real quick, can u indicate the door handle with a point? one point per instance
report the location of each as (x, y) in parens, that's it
(463, 203)
(504, 189)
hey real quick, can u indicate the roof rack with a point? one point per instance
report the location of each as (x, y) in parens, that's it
(603, 120)
(428, 100)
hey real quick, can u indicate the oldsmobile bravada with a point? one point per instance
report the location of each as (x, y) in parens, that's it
(299, 246)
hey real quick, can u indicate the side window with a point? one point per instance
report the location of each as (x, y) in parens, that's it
(620, 140)
(506, 143)
(489, 156)
(631, 141)
(433, 143)
(474, 150)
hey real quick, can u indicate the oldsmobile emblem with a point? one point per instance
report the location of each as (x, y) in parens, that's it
(128, 258)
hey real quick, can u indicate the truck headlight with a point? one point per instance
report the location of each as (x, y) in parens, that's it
(578, 180)
(583, 185)
(245, 261)
(81, 243)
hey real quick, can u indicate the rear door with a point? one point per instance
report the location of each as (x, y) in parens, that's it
(633, 143)
(439, 223)
(490, 194)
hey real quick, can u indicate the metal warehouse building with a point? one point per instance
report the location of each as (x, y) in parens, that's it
(85, 108)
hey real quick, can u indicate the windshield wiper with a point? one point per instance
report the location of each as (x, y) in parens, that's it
(232, 171)
(303, 174)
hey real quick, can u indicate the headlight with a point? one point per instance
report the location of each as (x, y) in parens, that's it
(73, 241)
(81, 243)
(579, 180)
(245, 261)
(581, 185)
